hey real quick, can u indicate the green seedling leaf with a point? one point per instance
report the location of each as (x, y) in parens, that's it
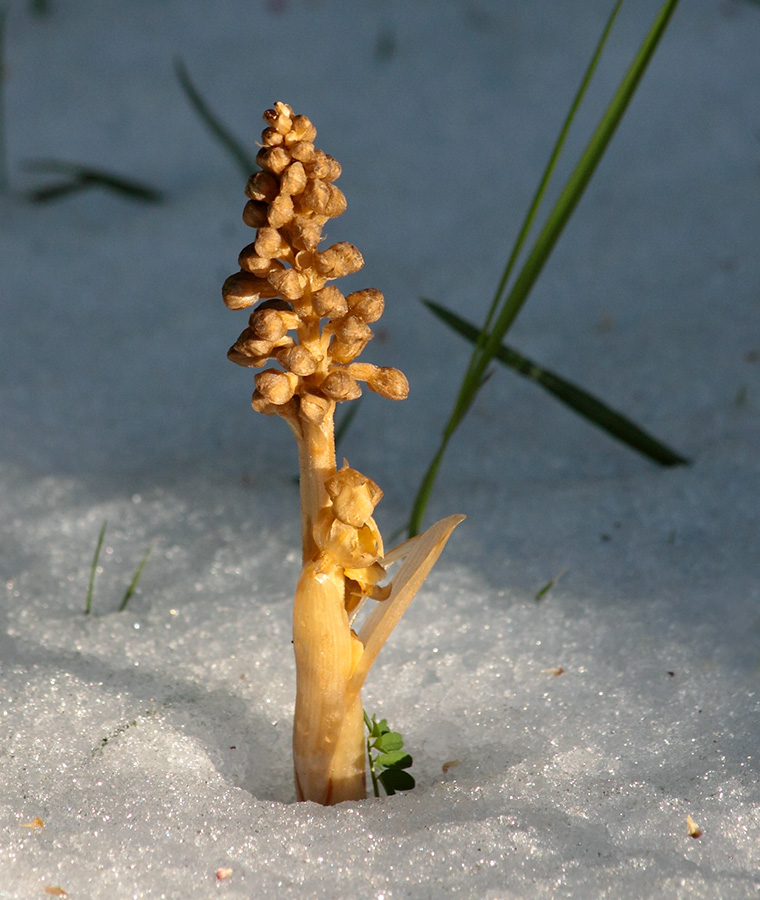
(245, 162)
(394, 780)
(388, 742)
(508, 301)
(398, 759)
(580, 401)
(81, 178)
(387, 768)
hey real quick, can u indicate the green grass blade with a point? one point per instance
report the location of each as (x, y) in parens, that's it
(135, 579)
(581, 401)
(235, 148)
(489, 345)
(94, 568)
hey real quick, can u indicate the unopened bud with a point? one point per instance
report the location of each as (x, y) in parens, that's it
(276, 387)
(340, 386)
(242, 289)
(273, 159)
(322, 165)
(314, 408)
(269, 243)
(298, 360)
(368, 304)
(329, 303)
(354, 496)
(340, 259)
(288, 283)
(271, 137)
(272, 324)
(322, 198)
(389, 382)
(293, 179)
(280, 118)
(250, 260)
(301, 130)
(262, 186)
(255, 213)
(303, 151)
(351, 329)
(305, 235)
(280, 211)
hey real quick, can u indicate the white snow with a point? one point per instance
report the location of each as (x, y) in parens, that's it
(154, 743)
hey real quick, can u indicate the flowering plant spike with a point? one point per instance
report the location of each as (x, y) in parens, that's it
(312, 333)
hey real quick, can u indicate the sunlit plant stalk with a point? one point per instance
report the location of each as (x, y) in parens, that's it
(313, 333)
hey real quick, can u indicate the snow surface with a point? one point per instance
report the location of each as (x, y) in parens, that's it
(154, 743)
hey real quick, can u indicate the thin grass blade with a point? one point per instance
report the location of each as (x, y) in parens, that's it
(245, 162)
(133, 584)
(94, 569)
(488, 346)
(581, 401)
(84, 177)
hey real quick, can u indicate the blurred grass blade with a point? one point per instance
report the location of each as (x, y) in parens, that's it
(94, 568)
(236, 150)
(133, 583)
(488, 346)
(83, 177)
(585, 404)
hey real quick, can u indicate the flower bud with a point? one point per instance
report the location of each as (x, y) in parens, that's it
(272, 324)
(276, 387)
(322, 198)
(351, 329)
(305, 234)
(293, 179)
(250, 260)
(269, 243)
(262, 186)
(303, 151)
(273, 159)
(389, 382)
(289, 283)
(255, 213)
(271, 137)
(314, 408)
(340, 259)
(329, 303)
(280, 211)
(340, 386)
(354, 496)
(301, 130)
(368, 304)
(323, 166)
(280, 118)
(298, 360)
(242, 289)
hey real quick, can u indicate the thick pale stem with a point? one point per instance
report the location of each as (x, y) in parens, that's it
(328, 727)
(316, 457)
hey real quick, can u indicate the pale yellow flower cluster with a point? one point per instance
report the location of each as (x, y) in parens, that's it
(307, 326)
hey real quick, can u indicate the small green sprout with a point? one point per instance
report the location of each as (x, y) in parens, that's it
(133, 584)
(389, 764)
(94, 568)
